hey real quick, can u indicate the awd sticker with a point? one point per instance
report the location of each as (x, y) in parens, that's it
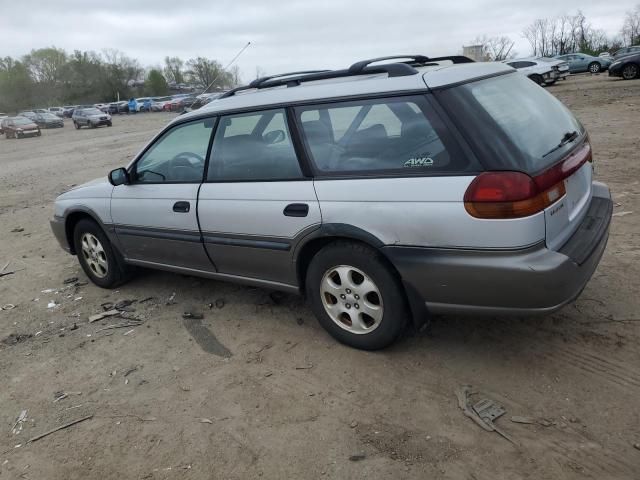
(419, 162)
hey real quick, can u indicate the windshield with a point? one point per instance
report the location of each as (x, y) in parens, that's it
(49, 116)
(513, 121)
(21, 121)
(91, 111)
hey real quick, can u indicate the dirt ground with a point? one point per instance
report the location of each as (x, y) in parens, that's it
(258, 389)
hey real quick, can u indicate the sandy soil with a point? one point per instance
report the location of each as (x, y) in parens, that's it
(258, 389)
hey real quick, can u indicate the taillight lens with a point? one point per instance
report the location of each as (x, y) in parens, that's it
(515, 194)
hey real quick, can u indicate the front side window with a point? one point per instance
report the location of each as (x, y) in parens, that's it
(178, 156)
(401, 135)
(253, 147)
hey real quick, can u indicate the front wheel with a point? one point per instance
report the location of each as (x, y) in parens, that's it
(75, 124)
(595, 67)
(356, 296)
(109, 124)
(630, 71)
(96, 255)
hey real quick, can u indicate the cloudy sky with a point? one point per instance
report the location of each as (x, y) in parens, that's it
(285, 35)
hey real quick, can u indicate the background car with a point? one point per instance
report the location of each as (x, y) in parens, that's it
(560, 66)
(90, 117)
(158, 103)
(118, 107)
(103, 107)
(624, 51)
(2, 117)
(31, 115)
(581, 62)
(140, 103)
(540, 72)
(67, 110)
(48, 120)
(57, 111)
(19, 127)
(627, 67)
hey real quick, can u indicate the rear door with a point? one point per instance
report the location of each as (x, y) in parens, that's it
(256, 204)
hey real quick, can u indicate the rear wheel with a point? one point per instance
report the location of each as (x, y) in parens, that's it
(96, 255)
(537, 78)
(594, 67)
(75, 124)
(356, 296)
(630, 71)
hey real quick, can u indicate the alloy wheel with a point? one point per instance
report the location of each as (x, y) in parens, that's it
(351, 299)
(630, 71)
(94, 254)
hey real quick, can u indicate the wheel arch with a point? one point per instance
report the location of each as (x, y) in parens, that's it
(308, 247)
(73, 217)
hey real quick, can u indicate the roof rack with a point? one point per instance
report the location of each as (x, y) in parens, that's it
(364, 67)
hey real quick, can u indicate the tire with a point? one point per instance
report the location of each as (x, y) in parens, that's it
(101, 264)
(594, 67)
(109, 124)
(537, 78)
(374, 288)
(92, 125)
(75, 124)
(630, 71)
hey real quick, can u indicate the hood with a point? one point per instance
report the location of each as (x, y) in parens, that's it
(99, 187)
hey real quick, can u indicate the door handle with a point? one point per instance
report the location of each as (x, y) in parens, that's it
(296, 210)
(181, 207)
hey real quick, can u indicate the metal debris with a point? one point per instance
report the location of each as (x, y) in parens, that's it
(192, 316)
(526, 420)
(17, 426)
(8, 306)
(61, 427)
(100, 316)
(70, 280)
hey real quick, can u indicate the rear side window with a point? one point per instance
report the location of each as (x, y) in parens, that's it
(253, 147)
(515, 122)
(394, 135)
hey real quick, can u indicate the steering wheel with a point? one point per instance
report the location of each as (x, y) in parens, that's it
(187, 155)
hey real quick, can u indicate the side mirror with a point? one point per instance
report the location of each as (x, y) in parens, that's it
(119, 176)
(274, 136)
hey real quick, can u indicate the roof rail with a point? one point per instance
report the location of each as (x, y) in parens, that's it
(452, 58)
(256, 83)
(364, 67)
(360, 66)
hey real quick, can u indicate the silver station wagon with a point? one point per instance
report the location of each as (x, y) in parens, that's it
(394, 189)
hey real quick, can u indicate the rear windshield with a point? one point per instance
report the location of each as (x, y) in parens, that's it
(513, 122)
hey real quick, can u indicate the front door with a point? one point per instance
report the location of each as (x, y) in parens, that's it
(256, 204)
(155, 216)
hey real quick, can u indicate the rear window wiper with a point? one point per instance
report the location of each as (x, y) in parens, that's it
(567, 138)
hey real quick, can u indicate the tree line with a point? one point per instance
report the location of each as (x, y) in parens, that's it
(564, 34)
(51, 76)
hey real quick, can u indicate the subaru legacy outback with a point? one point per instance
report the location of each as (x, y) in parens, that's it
(384, 192)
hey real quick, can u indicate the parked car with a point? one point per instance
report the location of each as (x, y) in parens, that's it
(2, 117)
(604, 54)
(31, 115)
(624, 51)
(581, 62)
(627, 67)
(103, 107)
(59, 111)
(158, 103)
(201, 101)
(90, 117)
(177, 104)
(541, 72)
(67, 111)
(561, 67)
(119, 107)
(434, 188)
(48, 120)
(40, 110)
(19, 127)
(140, 105)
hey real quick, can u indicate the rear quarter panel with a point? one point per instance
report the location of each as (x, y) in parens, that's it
(421, 211)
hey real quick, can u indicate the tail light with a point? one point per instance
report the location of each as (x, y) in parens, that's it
(515, 194)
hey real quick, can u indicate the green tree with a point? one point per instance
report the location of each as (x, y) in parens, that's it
(173, 67)
(16, 85)
(156, 85)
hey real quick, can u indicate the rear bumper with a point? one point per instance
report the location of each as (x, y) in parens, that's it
(59, 231)
(535, 280)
